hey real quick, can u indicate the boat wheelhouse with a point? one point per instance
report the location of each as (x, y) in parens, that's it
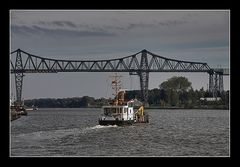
(117, 115)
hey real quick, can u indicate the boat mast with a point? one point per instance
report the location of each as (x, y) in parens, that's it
(116, 86)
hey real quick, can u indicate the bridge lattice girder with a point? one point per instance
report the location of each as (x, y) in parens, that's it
(140, 63)
(132, 63)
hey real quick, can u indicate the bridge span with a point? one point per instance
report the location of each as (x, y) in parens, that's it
(141, 64)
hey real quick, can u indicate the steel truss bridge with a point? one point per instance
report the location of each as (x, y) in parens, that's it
(141, 64)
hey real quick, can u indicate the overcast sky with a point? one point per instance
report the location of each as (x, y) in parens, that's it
(80, 35)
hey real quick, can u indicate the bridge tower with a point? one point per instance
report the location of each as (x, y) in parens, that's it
(221, 83)
(211, 84)
(144, 77)
(215, 83)
(19, 77)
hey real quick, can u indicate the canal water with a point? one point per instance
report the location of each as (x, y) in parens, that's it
(76, 133)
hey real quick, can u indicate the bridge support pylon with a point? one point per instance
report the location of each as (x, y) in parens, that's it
(211, 83)
(144, 78)
(221, 83)
(215, 83)
(19, 78)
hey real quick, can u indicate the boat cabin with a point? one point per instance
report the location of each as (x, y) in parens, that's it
(118, 113)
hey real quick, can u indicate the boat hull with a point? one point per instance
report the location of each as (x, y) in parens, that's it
(115, 122)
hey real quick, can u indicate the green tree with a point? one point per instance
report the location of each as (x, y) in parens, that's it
(174, 99)
(174, 88)
(87, 101)
(163, 96)
(201, 92)
(154, 96)
(176, 84)
(183, 98)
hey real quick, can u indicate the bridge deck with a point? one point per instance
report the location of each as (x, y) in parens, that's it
(223, 71)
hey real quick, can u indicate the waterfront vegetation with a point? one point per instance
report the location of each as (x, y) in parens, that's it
(176, 92)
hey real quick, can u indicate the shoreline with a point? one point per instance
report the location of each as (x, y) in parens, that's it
(176, 108)
(153, 107)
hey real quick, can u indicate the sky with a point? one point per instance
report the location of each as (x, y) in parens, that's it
(191, 35)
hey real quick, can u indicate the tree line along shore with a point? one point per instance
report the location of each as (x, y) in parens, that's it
(175, 93)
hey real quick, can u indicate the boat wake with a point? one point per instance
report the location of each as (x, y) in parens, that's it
(47, 134)
(50, 134)
(101, 127)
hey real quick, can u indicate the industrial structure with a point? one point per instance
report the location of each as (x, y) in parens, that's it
(141, 64)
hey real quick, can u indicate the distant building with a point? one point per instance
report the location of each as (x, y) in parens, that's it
(210, 98)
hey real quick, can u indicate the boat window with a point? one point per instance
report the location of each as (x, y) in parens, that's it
(106, 111)
(113, 110)
(125, 110)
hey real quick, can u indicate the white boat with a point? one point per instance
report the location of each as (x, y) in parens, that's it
(120, 112)
(33, 108)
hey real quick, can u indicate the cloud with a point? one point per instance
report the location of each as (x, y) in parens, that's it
(57, 32)
(174, 23)
(22, 30)
(59, 23)
(70, 25)
(65, 23)
(106, 27)
(153, 24)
